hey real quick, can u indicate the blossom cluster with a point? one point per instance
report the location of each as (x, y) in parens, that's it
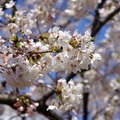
(28, 20)
(23, 60)
(68, 95)
(25, 104)
(77, 50)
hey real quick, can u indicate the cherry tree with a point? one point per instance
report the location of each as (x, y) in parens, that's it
(54, 64)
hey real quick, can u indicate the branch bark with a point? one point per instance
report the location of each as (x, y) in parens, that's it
(96, 19)
(85, 105)
(100, 24)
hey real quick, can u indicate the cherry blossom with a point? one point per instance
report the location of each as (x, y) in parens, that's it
(68, 95)
(10, 4)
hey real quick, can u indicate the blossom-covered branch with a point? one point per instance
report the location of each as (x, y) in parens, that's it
(41, 108)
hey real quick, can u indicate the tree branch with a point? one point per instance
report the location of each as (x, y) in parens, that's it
(48, 95)
(85, 105)
(71, 75)
(8, 100)
(52, 115)
(102, 23)
(96, 19)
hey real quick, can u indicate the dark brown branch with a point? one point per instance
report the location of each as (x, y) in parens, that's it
(96, 19)
(40, 52)
(8, 100)
(110, 16)
(102, 23)
(48, 95)
(70, 76)
(85, 99)
(85, 105)
(52, 115)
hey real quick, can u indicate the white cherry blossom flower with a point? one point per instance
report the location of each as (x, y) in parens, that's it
(52, 107)
(95, 59)
(13, 27)
(69, 12)
(69, 95)
(74, 118)
(10, 4)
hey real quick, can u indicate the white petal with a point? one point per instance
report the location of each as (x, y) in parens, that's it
(10, 4)
(51, 107)
(74, 118)
(97, 56)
